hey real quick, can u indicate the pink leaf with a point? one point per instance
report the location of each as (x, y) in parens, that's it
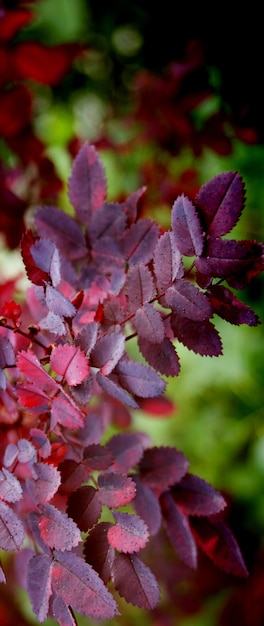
(64, 412)
(148, 323)
(194, 496)
(98, 553)
(84, 507)
(46, 483)
(10, 487)
(129, 534)
(140, 379)
(115, 489)
(162, 467)
(139, 241)
(11, 529)
(220, 545)
(186, 300)
(146, 505)
(57, 530)
(220, 202)
(69, 362)
(87, 183)
(39, 584)
(107, 352)
(56, 225)
(178, 530)
(167, 261)
(186, 227)
(81, 588)
(29, 365)
(135, 582)
(201, 337)
(139, 287)
(161, 356)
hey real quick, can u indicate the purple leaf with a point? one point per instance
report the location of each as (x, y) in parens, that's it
(72, 475)
(61, 612)
(41, 442)
(220, 545)
(97, 457)
(108, 221)
(161, 356)
(39, 584)
(107, 352)
(129, 534)
(53, 323)
(46, 483)
(186, 300)
(26, 452)
(140, 379)
(220, 202)
(167, 261)
(178, 530)
(10, 487)
(87, 183)
(227, 257)
(114, 389)
(59, 304)
(127, 451)
(139, 241)
(194, 496)
(186, 227)
(81, 588)
(227, 306)
(146, 505)
(148, 324)
(131, 203)
(107, 255)
(46, 258)
(84, 507)
(60, 228)
(2, 575)
(36, 275)
(115, 489)
(7, 355)
(29, 365)
(11, 529)
(98, 553)
(162, 467)
(135, 582)
(69, 362)
(83, 392)
(139, 287)
(201, 337)
(57, 530)
(64, 412)
(86, 338)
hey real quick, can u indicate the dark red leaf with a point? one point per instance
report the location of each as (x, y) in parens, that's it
(220, 202)
(127, 451)
(11, 529)
(147, 505)
(225, 258)
(186, 227)
(107, 352)
(178, 530)
(135, 582)
(194, 496)
(139, 241)
(39, 584)
(15, 115)
(140, 379)
(33, 398)
(72, 475)
(162, 467)
(87, 183)
(12, 21)
(115, 489)
(69, 362)
(63, 230)
(149, 324)
(57, 530)
(167, 261)
(227, 306)
(42, 64)
(186, 300)
(161, 356)
(45, 483)
(98, 553)
(161, 407)
(201, 337)
(84, 507)
(139, 287)
(81, 588)
(129, 534)
(220, 545)
(97, 457)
